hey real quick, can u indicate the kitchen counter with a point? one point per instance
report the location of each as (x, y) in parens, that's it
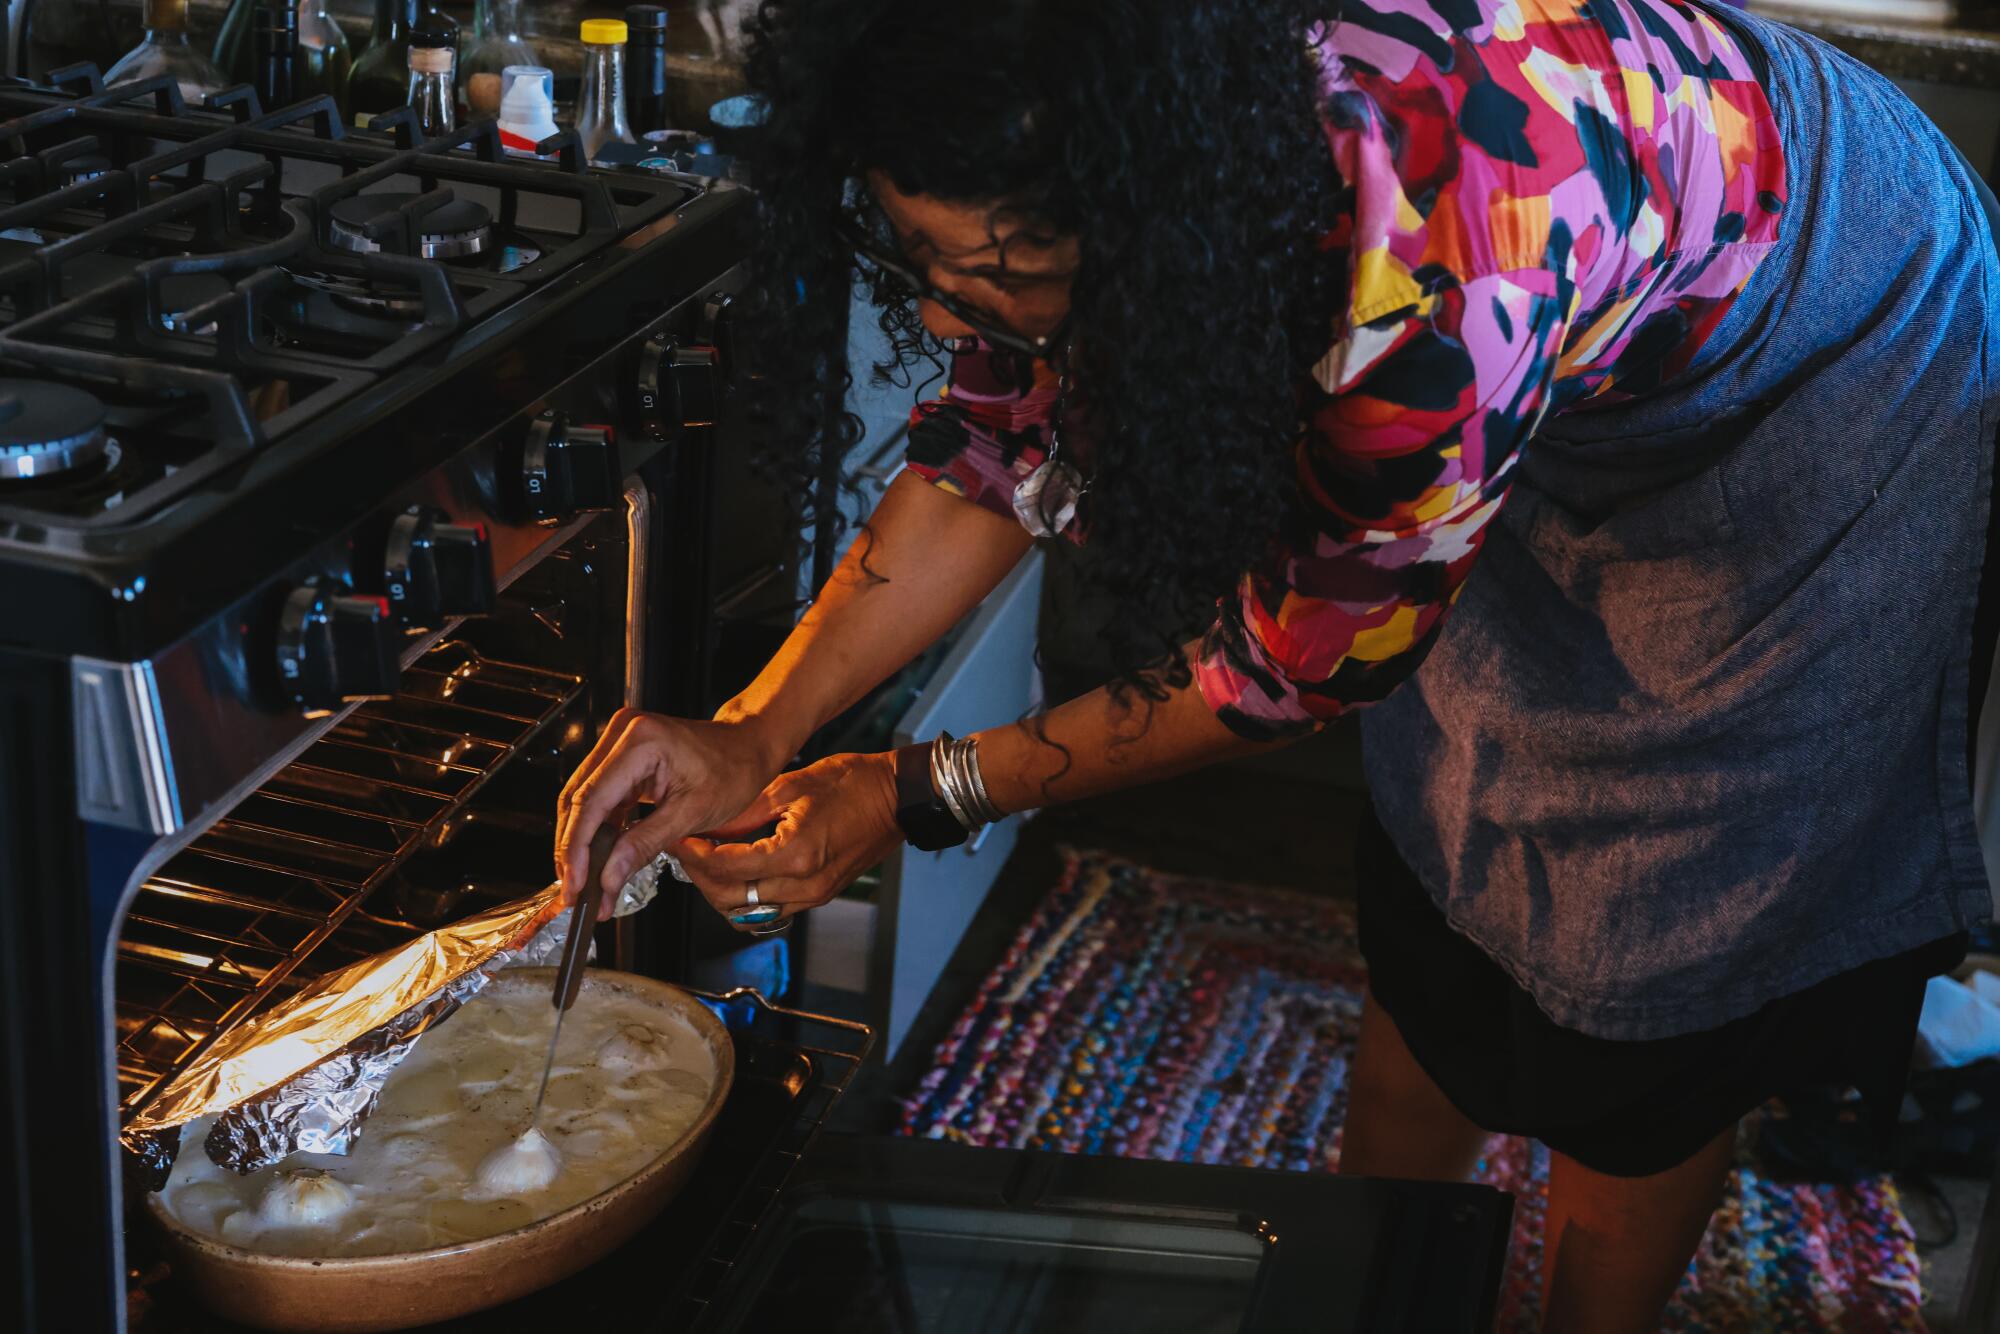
(704, 60)
(1964, 52)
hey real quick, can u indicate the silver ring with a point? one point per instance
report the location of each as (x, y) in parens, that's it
(750, 888)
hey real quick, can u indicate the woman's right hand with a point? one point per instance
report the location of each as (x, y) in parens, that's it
(697, 775)
(923, 560)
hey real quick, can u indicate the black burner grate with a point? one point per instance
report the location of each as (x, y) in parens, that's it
(193, 256)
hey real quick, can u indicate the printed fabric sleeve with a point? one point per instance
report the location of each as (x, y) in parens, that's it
(1412, 428)
(988, 430)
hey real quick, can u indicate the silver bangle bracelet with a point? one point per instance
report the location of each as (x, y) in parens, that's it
(944, 781)
(974, 785)
(991, 811)
(955, 774)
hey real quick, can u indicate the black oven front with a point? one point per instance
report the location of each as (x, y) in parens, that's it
(181, 847)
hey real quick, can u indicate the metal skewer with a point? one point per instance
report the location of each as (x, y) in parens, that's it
(576, 946)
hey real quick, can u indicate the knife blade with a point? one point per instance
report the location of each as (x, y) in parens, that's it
(576, 947)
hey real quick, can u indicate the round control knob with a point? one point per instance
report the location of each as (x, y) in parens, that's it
(432, 570)
(567, 469)
(679, 386)
(655, 389)
(336, 648)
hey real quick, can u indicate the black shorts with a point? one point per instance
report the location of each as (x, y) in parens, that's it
(1622, 1108)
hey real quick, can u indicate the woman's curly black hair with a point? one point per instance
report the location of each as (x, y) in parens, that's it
(1179, 140)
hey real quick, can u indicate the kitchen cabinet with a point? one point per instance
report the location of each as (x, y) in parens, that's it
(886, 951)
(928, 899)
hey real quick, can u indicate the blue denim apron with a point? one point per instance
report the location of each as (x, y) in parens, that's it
(1694, 737)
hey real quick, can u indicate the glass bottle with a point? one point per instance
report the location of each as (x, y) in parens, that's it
(234, 49)
(600, 111)
(496, 43)
(431, 57)
(165, 51)
(323, 62)
(380, 80)
(381, 77)
(275, 42)
(320, 62)
(646, 68)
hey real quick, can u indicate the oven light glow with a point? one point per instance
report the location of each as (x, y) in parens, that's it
(176, 889)
(186, 958)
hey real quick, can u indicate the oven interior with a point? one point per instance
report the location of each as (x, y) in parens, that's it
(416, 811)
(408, 814)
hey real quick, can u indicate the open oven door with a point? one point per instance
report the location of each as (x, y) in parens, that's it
(902, 1236)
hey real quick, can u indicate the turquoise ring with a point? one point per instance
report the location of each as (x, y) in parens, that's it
(757, 916)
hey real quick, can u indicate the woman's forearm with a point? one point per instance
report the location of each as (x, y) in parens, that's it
(1103, 741)
(835, 819)
(924, 560)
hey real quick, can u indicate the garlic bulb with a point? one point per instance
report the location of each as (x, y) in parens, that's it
(527, 1164)
(303, 1199)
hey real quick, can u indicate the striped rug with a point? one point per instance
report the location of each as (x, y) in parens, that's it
(1156, 1016)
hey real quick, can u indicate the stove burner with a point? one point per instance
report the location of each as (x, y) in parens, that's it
(87, 167)
(452, 230)
(47, 428)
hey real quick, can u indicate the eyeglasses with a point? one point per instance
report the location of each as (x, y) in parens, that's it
(892, 264)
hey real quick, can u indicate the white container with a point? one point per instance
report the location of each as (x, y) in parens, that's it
(527, 115)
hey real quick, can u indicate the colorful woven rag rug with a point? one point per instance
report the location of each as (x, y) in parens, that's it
(1154, 1016)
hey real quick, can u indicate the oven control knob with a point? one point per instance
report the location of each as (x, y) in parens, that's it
(570, 469)
(433, 570)
(679, 386)
(655, 388)
(336, 648)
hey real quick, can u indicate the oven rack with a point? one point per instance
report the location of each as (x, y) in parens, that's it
(837, 1048)
(223, 928)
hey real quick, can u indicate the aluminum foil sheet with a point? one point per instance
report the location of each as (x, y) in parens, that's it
(304, 1075)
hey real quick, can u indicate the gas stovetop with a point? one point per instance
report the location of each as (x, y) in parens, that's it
(227, 320)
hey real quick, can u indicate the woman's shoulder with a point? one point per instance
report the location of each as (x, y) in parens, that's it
(1480, 137)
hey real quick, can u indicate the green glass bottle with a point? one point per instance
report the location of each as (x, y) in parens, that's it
(323, 60)
(324, 63)
(234, 54)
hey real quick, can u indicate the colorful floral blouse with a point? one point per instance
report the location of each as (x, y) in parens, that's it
(1547, 201)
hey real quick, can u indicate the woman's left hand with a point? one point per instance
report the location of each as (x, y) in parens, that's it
(835, 819)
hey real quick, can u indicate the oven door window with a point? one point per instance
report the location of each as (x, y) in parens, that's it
(898, 1268)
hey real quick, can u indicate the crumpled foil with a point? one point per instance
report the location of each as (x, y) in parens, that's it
(304, 1075)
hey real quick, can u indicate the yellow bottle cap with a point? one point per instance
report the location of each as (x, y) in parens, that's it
(603, 32)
